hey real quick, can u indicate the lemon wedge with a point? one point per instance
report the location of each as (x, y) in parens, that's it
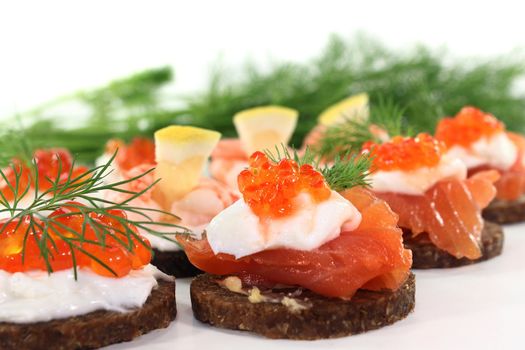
(181, 153)
(354, 107)
(262, 128)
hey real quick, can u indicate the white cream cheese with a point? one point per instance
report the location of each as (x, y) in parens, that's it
(416, 182)
(239, 232)
(37, 296)
(497, 151)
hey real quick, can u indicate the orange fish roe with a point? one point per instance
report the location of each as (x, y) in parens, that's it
(140, 151)
(269, 189)
(51, 165)
(66, 219)
(468, 126)
(405, 153)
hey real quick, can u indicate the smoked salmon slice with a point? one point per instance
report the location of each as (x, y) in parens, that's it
(471, 125)
(450, 212)
(370, 257)
(511, 185)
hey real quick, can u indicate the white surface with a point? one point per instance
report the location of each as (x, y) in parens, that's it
(51, 48)
(475, 307)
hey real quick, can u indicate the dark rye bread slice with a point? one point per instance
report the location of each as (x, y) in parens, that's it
(323, 318)
(95, 329)
(425, 255)
(174, 263)
(505, 212)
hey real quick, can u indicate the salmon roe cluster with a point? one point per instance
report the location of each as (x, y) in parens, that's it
(405, 153)
(270, 189)
(51, 165)
(468, 126)
(140, 151)
(66, 219)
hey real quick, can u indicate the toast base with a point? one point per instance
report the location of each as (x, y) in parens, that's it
(505, 212)
(425, 255)
(174, 263)
(324, 318)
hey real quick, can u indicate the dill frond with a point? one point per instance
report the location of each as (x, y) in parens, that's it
(349, 135)
(283, 152)
(86, 188)
(346, 171)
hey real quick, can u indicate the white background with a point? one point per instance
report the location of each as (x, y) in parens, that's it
(51, 48)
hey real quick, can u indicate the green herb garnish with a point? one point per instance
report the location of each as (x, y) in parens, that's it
(86, 188)
(347, 171)
(344, 172)
(350, 134)
(428, 83)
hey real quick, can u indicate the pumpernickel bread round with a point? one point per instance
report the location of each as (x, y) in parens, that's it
(505, 212)
(425, 255)
(324, 318)
(174, 263)
(95, 329)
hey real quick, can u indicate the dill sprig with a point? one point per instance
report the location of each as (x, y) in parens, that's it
(346, 171)
(390, 116)
(350, 134)
(344, 137)
(86, 188)
(283, 152)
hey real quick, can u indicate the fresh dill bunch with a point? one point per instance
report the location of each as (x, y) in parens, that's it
(386, 119)
(429, 84)
(15, 144)
(124, 108)
(73, 190)
(137, 92)
(346, 171)
(390, 116)
(347, 136)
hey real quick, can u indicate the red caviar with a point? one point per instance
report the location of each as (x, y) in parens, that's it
(66, 219)
(270, 189)
(140, 151)
(468, 126)
(51, 164)
(405, 153)
(11, 173)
